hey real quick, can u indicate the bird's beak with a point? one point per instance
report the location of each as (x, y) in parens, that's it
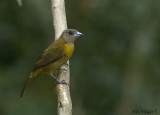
(78, 34)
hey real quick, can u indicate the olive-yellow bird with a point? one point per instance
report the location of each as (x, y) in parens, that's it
(54, 56)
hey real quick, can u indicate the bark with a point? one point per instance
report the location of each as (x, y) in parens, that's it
(63, 91)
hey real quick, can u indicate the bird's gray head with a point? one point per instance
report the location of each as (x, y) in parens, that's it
(70, 35)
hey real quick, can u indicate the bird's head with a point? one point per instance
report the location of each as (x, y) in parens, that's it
(70, 35)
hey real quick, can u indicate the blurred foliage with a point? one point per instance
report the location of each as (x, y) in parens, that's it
(19, 2)
(115, 67)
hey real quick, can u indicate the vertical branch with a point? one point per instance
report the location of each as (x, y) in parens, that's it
(63, 92)
(59, 17)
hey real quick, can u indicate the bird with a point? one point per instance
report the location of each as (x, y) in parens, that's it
(54, 56)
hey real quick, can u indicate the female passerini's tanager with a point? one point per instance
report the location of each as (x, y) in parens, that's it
(55, 55)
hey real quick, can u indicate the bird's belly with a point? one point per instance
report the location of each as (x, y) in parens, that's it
(51, 68)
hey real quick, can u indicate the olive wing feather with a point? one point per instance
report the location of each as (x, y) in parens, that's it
(49, 56)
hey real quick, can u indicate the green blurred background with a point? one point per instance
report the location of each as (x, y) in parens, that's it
(115, 68)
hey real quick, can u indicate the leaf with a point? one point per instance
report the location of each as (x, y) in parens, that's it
(19, 2)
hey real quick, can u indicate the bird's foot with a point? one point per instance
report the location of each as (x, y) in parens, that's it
(58, 81)
(61, 82)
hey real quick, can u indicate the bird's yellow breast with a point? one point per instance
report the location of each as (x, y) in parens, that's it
(68, 49)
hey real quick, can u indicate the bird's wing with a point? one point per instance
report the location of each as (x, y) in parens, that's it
(49, 56)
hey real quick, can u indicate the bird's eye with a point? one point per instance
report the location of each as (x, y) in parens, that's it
(70, 32)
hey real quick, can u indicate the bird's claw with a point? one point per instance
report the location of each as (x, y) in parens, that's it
(62, 82)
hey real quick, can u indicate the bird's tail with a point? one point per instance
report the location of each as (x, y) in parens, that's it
(26, 84)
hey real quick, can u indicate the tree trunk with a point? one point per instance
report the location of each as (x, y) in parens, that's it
(63, 92)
